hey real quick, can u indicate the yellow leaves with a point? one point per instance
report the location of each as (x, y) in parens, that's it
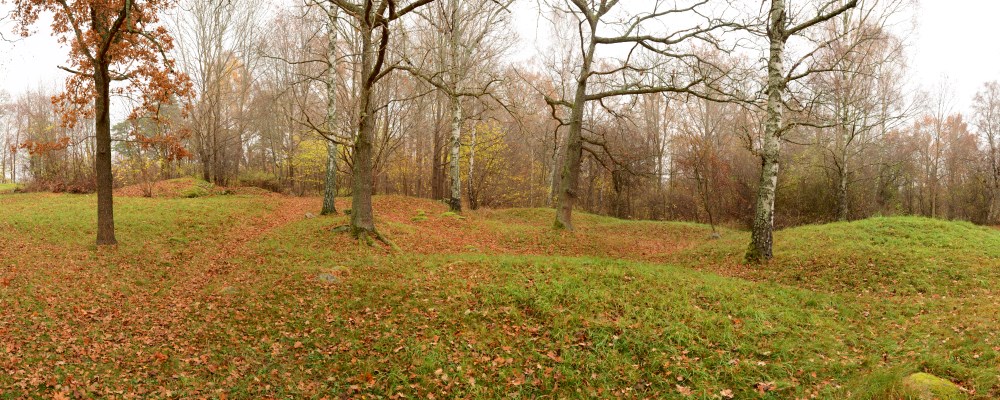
(310, 161)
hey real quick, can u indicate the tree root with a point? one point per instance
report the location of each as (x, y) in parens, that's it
(368, 237)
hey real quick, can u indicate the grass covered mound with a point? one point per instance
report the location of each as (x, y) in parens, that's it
(175, 188)
(898, 256)
(245, 297)
(9, 187)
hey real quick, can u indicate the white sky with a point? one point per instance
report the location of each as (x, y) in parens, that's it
(956, 39)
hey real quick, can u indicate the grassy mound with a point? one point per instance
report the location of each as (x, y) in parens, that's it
(174, 188)
(8, 187)
(898, 256)
(245, 296)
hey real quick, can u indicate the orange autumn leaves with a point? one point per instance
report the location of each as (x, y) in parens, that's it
(40, 148)
(125, 35)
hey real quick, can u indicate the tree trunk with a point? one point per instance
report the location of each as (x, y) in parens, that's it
(761, 238)
(438, 159)
(330, 183)
(843, 210)
(332, 149)
(3, 162)
(102, 159)
(455, 201)
(569, 180)
(473, 193)
(362, 220)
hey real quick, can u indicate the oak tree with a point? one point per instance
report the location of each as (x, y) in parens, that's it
(109, 41)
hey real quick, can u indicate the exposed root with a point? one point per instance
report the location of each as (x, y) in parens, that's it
(388, 242)
(367, 237)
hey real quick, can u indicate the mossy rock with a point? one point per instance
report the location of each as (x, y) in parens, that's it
(924, 386)
(452, 214)
(200, 188)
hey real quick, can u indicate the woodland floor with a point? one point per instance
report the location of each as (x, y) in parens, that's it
(242, 296)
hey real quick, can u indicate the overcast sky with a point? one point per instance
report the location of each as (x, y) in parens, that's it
(956, 39)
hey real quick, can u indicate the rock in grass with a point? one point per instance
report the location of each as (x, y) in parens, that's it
(924, 386)
(328, 278)
(310, 215)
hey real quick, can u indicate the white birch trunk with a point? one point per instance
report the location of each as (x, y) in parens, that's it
(763, 223)
(332, 149)
(455, 202)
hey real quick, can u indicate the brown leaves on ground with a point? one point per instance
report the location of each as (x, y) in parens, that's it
(75, 321)
(526, 232)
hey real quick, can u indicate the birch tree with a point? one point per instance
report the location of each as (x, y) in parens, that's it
(458, 57)
(780, 26)
(331, 123)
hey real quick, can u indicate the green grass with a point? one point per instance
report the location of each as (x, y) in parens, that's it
(8, 187)
(219, 295)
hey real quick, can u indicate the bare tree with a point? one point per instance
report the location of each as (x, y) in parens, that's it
(640, 28)
(780, 26)
(457, 57)
(861, 99)
(216, 45)
(986, 110)
(332, 144)
(373, 21)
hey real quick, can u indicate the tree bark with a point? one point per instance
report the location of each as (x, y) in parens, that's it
(332, 149)
(473, 193)
(843, 210)
(102, 160)
(438, 159)
(330, 182)
(761, 238)
(455, 201)
(362, 219)
(569, 180)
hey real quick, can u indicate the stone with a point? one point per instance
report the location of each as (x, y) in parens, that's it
(310, 215)
(924, 386)
(328, 278)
